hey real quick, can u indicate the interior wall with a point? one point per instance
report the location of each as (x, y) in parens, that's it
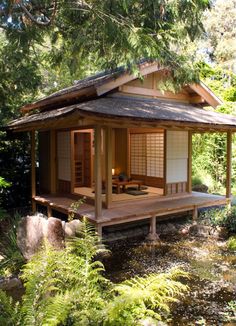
(44, 162)
(176, 156)
(64, 161)
(121, 151)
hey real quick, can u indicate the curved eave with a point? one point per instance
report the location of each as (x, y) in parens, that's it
(127, 113)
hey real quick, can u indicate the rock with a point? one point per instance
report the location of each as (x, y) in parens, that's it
(33, 230)
(55, 233)
(208, 231)
(184, 231)
(200, 188)
(30, 234)
(72, 227)
(200, 230)
(168, 228)
(7, 284)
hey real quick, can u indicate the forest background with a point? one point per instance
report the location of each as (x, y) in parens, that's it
(48, 45)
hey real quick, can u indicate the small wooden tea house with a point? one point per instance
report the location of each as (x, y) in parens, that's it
(124, 144)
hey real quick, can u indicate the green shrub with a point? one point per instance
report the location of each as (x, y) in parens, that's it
(196, 180)
(3, 185)
(12, 258)
(231, 243)
(230, 314)
(67, 287)
(225, 217)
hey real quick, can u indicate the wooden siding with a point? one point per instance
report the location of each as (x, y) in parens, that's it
(150, 86)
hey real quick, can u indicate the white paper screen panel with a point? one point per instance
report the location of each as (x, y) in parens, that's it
(177, 170)
(177, 144)
(177, 156)
(137, 154)
(147, 153)
(155, 154)
(64, 155)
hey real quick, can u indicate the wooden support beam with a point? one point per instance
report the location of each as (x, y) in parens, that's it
(229, 164)
(154, 93)
(108, 158)
(53, 173)
(98, 171)
(49, 211)
(195, 214)
(189, 162)
(153, 236)
(165, 163)
(99, 230)
(33, 172)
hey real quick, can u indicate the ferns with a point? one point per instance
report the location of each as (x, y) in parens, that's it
(8, 312)
(12, 259)
(66, 287)
(147, 296)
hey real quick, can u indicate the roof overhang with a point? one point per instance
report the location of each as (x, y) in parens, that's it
(128, 112)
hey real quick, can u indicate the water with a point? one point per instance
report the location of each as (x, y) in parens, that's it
(212, 269)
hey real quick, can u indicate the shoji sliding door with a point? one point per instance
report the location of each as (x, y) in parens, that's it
(147, 157)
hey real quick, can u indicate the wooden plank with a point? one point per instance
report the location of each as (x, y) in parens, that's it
(154, 93)
(33, 172)
(189, 186)
(127, 77)
(98, 171)
(53, 170)
(108, 157)
(229, 164)
(206, 93)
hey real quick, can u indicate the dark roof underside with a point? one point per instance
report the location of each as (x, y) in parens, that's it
(134, 109)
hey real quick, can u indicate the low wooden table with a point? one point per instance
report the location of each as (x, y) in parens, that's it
(123, 184)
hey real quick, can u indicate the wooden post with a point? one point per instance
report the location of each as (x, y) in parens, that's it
(229, 164)
(33, 172)
(189, 161)
(98, 171)
(195, 214)
(153, 236)
(52, 161)
(99, 231)
(108, 157)
(49, 211)
(165, 163)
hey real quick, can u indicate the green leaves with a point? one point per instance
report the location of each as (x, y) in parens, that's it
(67, 287)
(145, 297)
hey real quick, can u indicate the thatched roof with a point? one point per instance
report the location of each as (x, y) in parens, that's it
(134, 109)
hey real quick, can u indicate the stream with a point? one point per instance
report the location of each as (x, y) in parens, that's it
(211, 266)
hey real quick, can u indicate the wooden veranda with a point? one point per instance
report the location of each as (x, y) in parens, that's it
(142, 209)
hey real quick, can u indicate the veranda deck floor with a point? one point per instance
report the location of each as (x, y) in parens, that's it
(143, 209)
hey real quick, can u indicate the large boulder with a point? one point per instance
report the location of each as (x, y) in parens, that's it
(72, 227)
(55, 232)
(30, 234)
(33, 230)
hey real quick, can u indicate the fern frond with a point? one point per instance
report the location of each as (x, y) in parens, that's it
(8, 311)
(154, 291)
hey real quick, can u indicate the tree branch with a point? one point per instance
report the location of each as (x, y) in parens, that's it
(35, 20)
